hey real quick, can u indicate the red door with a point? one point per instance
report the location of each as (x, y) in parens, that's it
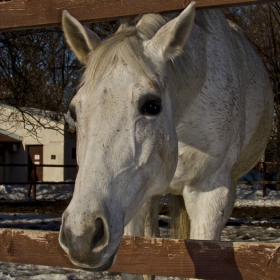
(35, 157)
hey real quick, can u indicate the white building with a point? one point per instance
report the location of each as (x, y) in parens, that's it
(19, 145)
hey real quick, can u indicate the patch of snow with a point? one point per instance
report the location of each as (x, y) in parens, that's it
(30, 221)
(44, 191)
(252, 196)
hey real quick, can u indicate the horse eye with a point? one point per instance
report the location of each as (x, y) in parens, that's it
(151, 107)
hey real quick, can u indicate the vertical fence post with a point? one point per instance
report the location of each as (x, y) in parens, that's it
(30, 183)
(33, 180)
(34, 183)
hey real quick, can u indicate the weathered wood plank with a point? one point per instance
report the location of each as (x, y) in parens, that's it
(167, 257)
(18, 14)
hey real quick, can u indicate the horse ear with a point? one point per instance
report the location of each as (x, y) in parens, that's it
(80, 39)
(170, 39)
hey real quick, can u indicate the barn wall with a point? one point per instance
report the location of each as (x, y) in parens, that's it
(53, 150)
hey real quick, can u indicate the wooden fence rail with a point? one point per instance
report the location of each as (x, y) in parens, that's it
(37, 165)
(19, 14)
(154, 256)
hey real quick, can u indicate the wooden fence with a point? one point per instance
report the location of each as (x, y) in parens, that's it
(19, 14)
(34, 168)
(155, 256)
(33, 180)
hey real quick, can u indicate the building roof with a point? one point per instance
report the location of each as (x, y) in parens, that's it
(8, 137)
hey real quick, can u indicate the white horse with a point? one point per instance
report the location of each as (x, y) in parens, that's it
(181, 106)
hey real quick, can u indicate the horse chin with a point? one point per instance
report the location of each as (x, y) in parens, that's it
(107, 265)
(94, 268)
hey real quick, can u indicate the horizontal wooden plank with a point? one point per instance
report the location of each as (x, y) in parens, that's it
(166, 257)
(18, 14)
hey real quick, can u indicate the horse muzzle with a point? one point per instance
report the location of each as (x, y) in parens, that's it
(88, 242)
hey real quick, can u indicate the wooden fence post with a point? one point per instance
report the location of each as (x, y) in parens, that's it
(33, 180)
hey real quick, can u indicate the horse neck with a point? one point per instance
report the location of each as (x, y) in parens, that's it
(191, 68)
(190, 73)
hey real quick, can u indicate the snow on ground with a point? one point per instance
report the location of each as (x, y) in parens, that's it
(44, 192)
(247, 195)
(30, 221)
(237, 229)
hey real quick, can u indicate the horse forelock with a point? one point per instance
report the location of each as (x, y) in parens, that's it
(125, 46)
(149, 24)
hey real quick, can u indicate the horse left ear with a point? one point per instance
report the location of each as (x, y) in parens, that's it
(171, 38)
(80, 39)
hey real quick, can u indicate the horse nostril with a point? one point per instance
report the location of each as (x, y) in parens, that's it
(62, 236)
(62, 239)
(99, 234)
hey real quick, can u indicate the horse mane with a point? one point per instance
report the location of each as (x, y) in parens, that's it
(125, 46)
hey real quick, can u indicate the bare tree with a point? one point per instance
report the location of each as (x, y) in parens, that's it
(38, 70)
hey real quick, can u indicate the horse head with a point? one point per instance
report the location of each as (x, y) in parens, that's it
(127, 146)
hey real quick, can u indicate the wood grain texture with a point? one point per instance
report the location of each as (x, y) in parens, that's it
(166, 257)
(19, 14)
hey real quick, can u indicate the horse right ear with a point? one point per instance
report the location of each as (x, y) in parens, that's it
(80, 39)
(170, 39)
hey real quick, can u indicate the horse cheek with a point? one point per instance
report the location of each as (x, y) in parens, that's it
(167, 150)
